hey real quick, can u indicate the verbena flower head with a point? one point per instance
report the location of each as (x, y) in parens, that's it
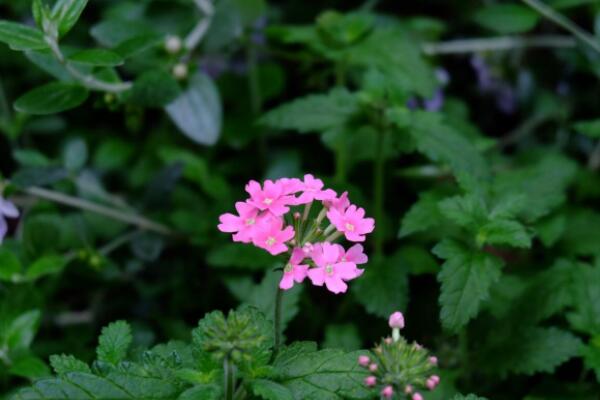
(401, 368)
(7, 210)
(302, 220)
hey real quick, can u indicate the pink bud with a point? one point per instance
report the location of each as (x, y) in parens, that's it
(417, 396)
(433, 360)
(430, 384)
(408, 389)
(373, 367)
(370, 381)
(364, 360)
(396, 320)
(387, 392)
(388, 340)
(435, 378)
(417, 346)
(296, 215)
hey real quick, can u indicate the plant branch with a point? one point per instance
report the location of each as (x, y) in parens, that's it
(129, 218)
(229, 378)
(564, 22)
(195, 36)
(277, 320)
(88, 81)
(497, 44)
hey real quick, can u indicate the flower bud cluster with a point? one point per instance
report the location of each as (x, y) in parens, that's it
(397, 367)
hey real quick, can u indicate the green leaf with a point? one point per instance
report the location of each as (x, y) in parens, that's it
(21, 37)
(115, 385)
(504, 232)
(591, 355)
(112, 154)
(383, 288)
(586, 299)
(31, 158)
(550, 229)
(581, 233)
(63, 364)
(19, 333)
(530, 350)
(235, 255)
(114, 342)
(10, 266)
(466, 277)
(344, 336)
(51, 98)
(155, 88)
(468, 211)
(138, 45)
(423, 215)
(66, 13)
(38, 176)
(468, 397)
(269, 390)
(197, 111)
(97, 57)
(314, 113)
(41, 235)
(321, 375)
(46, 265)
(443, 144)
(75, 154)
(202, 392)
(507, 18)
(29, 367)
(589, 128)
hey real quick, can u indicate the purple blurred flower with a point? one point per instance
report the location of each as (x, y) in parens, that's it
(213, 65)
(436, 102)
(504, 93)
(7, 210)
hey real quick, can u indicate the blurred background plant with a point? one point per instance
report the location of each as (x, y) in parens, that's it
(469, 130)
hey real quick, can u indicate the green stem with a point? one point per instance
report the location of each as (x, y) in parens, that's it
(378, 190)
(229, 378)
(277, 320)
(564, 22)
(477, 45)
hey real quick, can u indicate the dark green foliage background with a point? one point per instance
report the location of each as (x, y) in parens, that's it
(488, 224)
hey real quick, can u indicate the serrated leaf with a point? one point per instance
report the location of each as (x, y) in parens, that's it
(466, 277)
(383, 287)
(507, 18)
(321, 375)
(197, 111)
(314, 113)
(114, 342)
(468, 211)
(97, 57)
(45, 265)
(269, 390)
(63, 364)
(424, 214)
(585, 290)
(21, 37)
(530, 350)
(10, 266)
(66, 13)
(51, 98)
(504, 232)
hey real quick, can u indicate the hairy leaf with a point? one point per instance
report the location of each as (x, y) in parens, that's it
(114, 342)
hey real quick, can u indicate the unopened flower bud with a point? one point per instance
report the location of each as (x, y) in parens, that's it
(363, 360)
(417, 346)
(433, 360)
(430, 384)
(408, 389)
(173, 44)
(296, 215)
(396, 320)
(180, 71)
(373, 367)
(435, 378)
(417, 396)
(388, 340)
(370, 381)
(387, 392)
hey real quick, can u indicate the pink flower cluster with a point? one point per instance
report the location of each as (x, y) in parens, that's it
(267, 219)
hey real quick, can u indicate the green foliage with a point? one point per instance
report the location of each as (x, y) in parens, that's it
(21, 37)
(51, 98)
(114, 342)
(507, 18)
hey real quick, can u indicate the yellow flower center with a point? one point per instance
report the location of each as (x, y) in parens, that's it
(349, 227)
(250, 221)
(288, 268)
(270, 241)
(329, 269)
(268, 201)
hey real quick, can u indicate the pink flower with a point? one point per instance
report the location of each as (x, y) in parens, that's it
(387, 392)
(270, 197)
(408, 389)
(433, 360)
(432, 382)
(291, 185)
(354, 254)
(352, 222)
(329, 270)
(313, 190)
(7, 209)
(363, 361)
(339, 203)
(417, 396)
(373, 367)
(270, 236)
(244, 224)
(370, 381)
(293, 271)
(396, 320)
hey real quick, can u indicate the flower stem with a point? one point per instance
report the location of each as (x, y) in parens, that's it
(229, 378)
(564, 22)
(277, 320)
(476, 45)
(378, 189)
